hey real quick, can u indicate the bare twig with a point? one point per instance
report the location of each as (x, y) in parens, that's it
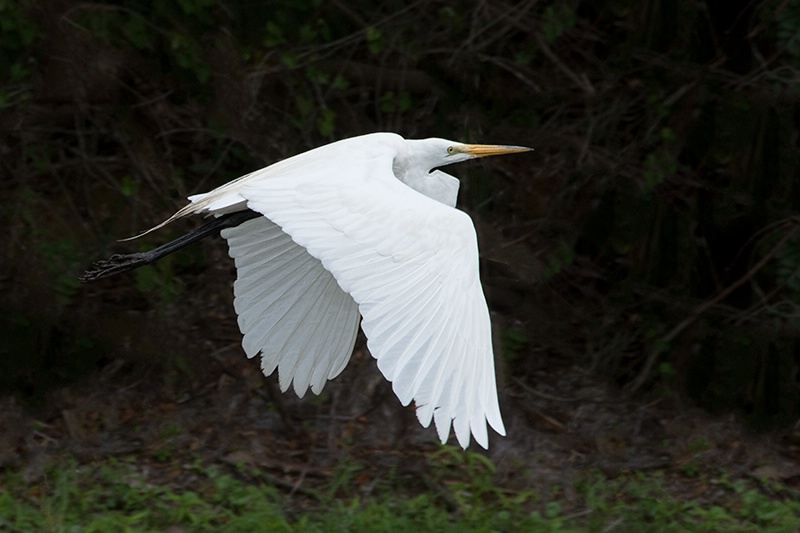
(641, 379)
(581, 81)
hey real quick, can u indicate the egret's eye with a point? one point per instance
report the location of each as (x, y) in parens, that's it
(451, 150)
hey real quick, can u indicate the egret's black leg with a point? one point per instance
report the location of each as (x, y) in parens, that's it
(123, 262)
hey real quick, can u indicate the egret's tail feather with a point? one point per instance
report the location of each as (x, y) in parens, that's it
(186, 210)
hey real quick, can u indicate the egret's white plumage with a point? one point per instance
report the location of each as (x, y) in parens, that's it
(366, 226)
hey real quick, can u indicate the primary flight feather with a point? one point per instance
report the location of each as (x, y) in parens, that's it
(360, 228)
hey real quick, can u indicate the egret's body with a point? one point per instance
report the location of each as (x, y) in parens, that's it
(365, 227)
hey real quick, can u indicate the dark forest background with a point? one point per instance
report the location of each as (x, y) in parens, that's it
(651, 239)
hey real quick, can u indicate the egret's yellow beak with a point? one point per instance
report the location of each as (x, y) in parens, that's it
(482, 150)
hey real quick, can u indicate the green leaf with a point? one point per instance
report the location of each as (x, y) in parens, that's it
(556, 19)
(128, 186)
(326, 122)
(375, 42)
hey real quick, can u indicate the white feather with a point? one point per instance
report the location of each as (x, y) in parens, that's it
(405, 259)
(279, 285)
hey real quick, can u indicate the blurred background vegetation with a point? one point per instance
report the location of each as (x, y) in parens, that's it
(652, 237)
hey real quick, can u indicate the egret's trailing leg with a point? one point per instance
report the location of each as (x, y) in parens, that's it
(118, 263)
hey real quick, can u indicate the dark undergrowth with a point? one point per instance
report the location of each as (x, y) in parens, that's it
(648, 249)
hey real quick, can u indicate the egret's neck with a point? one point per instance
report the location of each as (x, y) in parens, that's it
(413, 163)
(437, 185)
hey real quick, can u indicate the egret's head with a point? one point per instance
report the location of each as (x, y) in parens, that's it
(428, 154)
(459, 152)
(417, 162)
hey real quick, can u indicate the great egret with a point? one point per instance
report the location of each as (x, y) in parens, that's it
(363, 226)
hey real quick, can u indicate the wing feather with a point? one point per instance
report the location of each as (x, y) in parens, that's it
(290, 308)
(304, 356)
(422, 383)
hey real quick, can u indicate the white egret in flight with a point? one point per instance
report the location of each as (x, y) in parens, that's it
(363, 227)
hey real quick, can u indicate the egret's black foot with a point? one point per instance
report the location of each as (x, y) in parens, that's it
(115, 264)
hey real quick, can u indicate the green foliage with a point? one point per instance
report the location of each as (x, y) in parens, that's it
(396, 103)
(643, 500)
(160, 280)
(170, 30)
(128, 186)
(343, 475)
(118, 496)
(451, 18)
(513, 341)
(326, 122)
(64, 259)
(468, 479)
(782, 20)
(18, 33)
(526, 56)
(187, 55)
(375, 43)
(560, 257)
(786, 268)
(661, 163)
(556, 19)
(38, 353)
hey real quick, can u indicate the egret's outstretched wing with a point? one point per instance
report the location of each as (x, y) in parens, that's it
(290, 308)
(411, 264)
